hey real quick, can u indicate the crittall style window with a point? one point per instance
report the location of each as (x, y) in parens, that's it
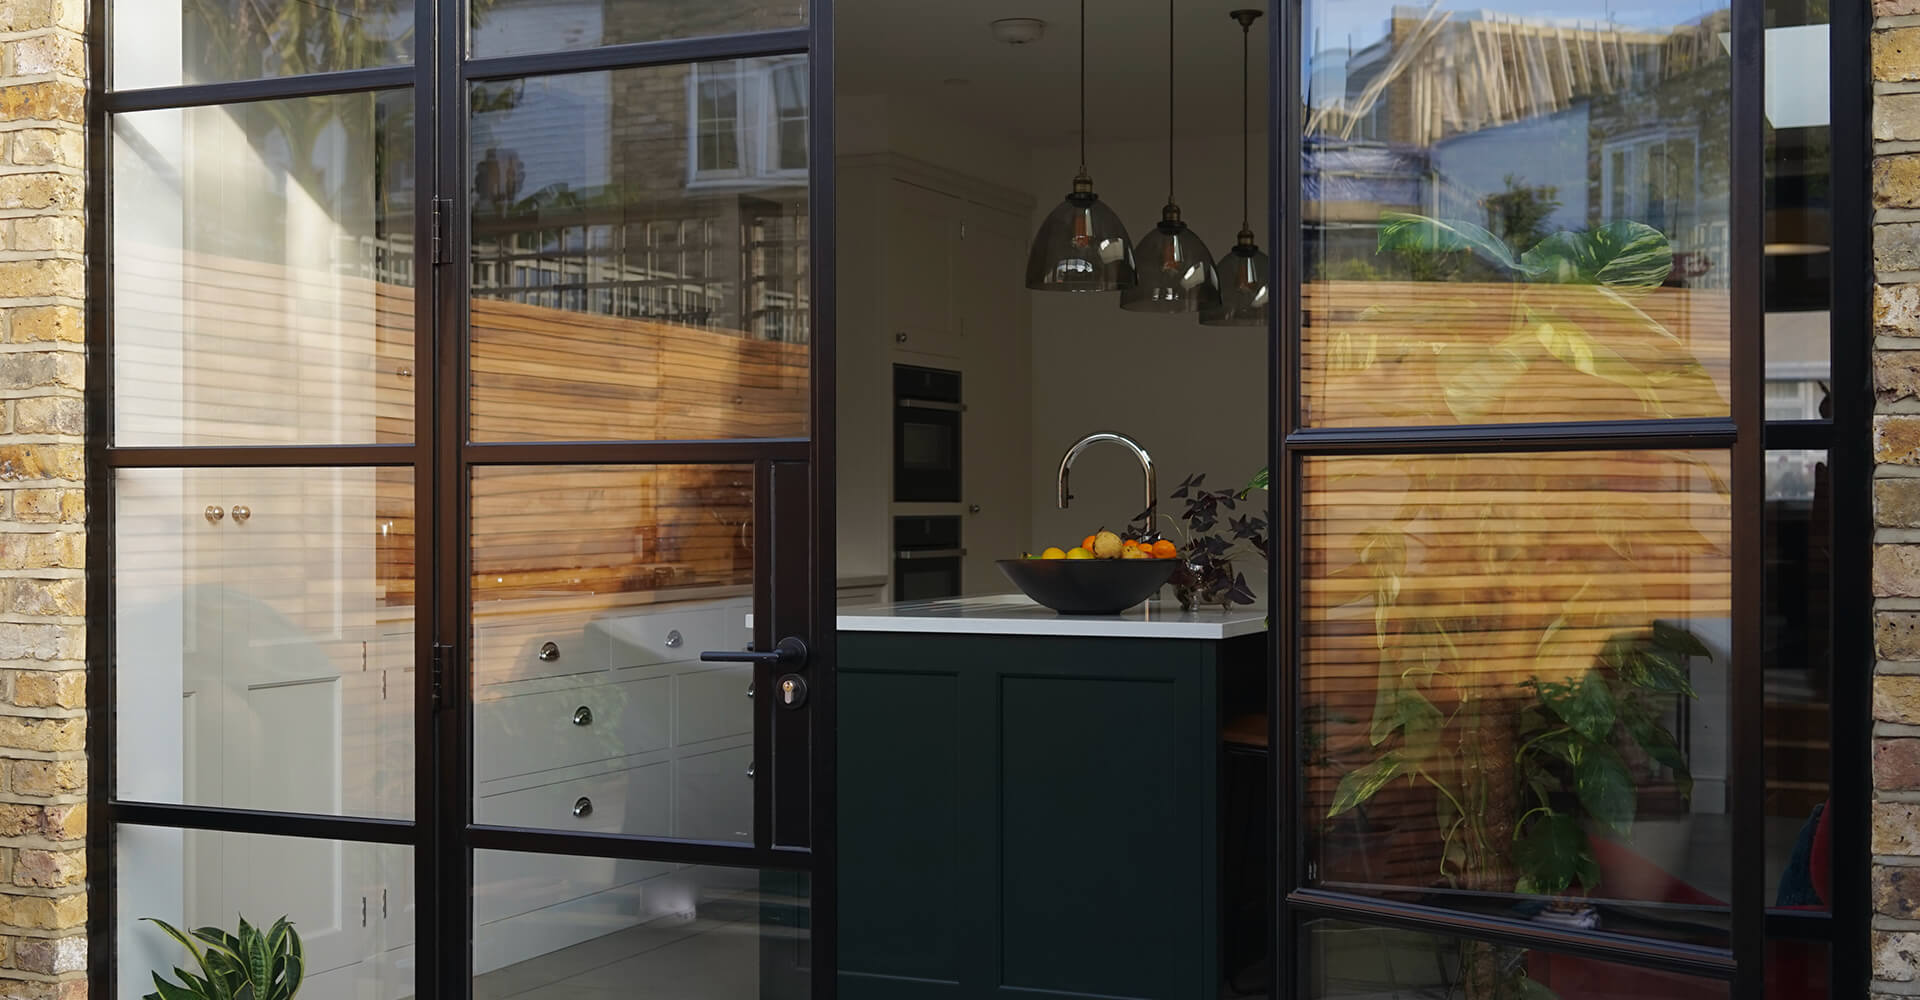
(454, 387)
(1563, 371)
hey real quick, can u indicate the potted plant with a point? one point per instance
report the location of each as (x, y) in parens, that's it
(251, 964)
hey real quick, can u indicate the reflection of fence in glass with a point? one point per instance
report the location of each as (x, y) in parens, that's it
(1465, 618)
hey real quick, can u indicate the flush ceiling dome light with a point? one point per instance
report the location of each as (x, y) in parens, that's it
(1082, 246)
(1176, 273)
(1244, 270)
(1019, 30)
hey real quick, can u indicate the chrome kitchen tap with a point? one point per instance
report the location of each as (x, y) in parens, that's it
(1146, 465)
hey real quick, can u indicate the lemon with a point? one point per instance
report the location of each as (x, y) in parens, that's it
(1053, 552)
(1078, 553)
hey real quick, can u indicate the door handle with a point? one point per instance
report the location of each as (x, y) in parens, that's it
(789, 652)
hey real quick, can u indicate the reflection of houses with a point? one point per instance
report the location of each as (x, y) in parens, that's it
(1479, 104)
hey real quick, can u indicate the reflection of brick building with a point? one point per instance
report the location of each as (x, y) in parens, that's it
(1489, 105)
(673, 193)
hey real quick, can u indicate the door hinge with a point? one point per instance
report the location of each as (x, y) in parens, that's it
(442, 652)
(442, 248)
(363, 911)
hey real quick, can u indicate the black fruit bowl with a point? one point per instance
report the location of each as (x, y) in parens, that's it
(1089, 586)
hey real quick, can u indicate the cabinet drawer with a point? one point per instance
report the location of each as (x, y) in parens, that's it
(520, 651)
(635, 801)
(673, 635)
(712, 704)
(528, 733)
(714, 795)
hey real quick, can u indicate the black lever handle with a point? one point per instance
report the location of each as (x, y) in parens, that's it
(789, 652)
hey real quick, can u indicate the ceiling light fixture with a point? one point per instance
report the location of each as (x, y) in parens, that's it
(1019, 30)
(1082, 246)
(1244, 270)
(1176, 272)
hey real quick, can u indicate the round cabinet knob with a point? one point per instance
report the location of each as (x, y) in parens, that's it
(973, 508)
(900, 337)
(241, 513)
(675, 640)
(582, 807)
(548, 653)
(749, 689)
(214, 514)
(749, 770)
(583, 716)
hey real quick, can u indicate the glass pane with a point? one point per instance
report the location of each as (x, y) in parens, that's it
(1799, 660)
(595, 589)
(1354, 962)
(263, 272)
(640, 256)
(352, 905)
(552, 926)
(1514, 668)
(264, 644)
(1515, 215)
(1799, 226)
(512, 27)
(164, 43)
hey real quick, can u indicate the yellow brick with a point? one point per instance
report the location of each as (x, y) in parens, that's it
(43, 734)
(42, 279)
(50, 689)
(66, 324)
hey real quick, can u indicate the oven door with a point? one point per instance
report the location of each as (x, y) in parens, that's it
(926, 451)
(926, 574)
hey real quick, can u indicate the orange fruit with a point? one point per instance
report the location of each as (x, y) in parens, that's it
(1087, 543)
(1131, 543)
(1164, 549)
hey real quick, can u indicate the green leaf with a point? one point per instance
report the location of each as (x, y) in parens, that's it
(1549, 853)
(1402, 231)
(1620, 254)
(1260, 481)
(1661, 746)
(1679, 640)
(1587, 707)
(169, 991)
(1360, 784)
(1605, 787)
(1534, 990)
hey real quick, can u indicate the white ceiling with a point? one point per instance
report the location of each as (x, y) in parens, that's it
(909, 49)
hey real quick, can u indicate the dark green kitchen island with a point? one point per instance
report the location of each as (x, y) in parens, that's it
(1030, 803)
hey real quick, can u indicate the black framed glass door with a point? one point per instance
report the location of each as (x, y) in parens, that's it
(431, 476)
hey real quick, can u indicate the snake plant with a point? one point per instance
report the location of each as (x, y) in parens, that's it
(250, 965)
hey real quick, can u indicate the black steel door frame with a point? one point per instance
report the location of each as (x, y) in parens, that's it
(1744, 434)
(794, 564)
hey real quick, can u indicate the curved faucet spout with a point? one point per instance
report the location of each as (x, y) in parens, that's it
(1139, 452)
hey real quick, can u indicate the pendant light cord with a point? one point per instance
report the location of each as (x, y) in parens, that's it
(1246, 34)
(1169, 101)
(1083, 87)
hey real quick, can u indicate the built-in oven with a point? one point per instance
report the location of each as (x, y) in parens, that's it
(926, 435)
(926, 558)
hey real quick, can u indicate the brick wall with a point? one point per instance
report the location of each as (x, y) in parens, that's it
(1896, 493)
(43, 771)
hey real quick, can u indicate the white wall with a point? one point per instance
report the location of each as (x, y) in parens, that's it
(1195, 396)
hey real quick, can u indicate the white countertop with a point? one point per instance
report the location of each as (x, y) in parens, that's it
(1016, 614)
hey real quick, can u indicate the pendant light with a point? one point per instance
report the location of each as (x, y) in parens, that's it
(1176, 272)
(1082, 246)
(1244, 270)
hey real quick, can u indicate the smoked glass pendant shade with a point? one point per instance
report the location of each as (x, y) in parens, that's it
(1173, 271)
(1081, 247)
(1245, 272)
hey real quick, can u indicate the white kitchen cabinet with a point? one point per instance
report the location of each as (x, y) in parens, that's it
(932, 273)
(618, 728)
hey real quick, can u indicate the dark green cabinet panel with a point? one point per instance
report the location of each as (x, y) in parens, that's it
(1030, 816)
(902, 819)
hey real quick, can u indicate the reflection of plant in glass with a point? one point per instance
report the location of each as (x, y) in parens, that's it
(250, 965)
(1568, 301)
(1568, 733)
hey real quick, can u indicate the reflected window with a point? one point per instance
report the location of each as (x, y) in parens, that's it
(1514, 216)
(749, 121)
